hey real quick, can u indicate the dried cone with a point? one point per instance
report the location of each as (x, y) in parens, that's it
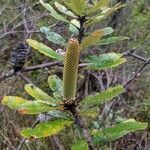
(71, 69)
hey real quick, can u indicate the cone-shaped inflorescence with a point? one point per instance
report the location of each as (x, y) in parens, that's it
(71, 69)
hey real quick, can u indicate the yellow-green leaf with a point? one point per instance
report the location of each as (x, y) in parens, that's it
(89, 112)
(44, 49)
(104, 96)
(79, 6)
(94, 37)
(39, 95)
(25, 106)
(46, 129)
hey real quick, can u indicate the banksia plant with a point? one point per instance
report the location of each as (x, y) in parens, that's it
(71, 69)
(61, 106)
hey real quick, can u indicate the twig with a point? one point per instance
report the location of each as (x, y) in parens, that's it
(132, 54)
(27, 80)
(136, 74)
(6, 76)
(42, 66)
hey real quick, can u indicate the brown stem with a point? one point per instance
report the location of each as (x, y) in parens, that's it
(81, 29)
(41, 66)
(136, 74)
(81, 124)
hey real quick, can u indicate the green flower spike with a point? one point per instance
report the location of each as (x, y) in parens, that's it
(71, 69)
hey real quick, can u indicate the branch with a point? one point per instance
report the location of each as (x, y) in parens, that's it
(34, 68)
(85, 132)
(132, 54)
(27, 80)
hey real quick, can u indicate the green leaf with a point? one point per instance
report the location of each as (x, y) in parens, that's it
(94, 37)
(78, 6)
(106, 11)
(53, 12)
(80, 145)
(105, 61)
(64, 10)
(111, 40)
(56, 85)
(44, 49)
(39, 95)
(53, 36)
(26, 107)
(57, 114)
(99, 5)
(92, 112)
(46, 129)
(104, 96)
(118, 131)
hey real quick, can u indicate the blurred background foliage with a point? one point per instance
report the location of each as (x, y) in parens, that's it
(21, 19)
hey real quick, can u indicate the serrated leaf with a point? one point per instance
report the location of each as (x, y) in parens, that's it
(103, 15)
(80, 145)
(79, 6)
(46, 129)
(53, 12)
(94, 37)
(118, 131)
(44, 49)
(25, 106)
(105, 61)
(64, 10)
(39, 95)
(104, 96)
(53, 36)
(56, 85)
(99, 5)
(111, 40)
